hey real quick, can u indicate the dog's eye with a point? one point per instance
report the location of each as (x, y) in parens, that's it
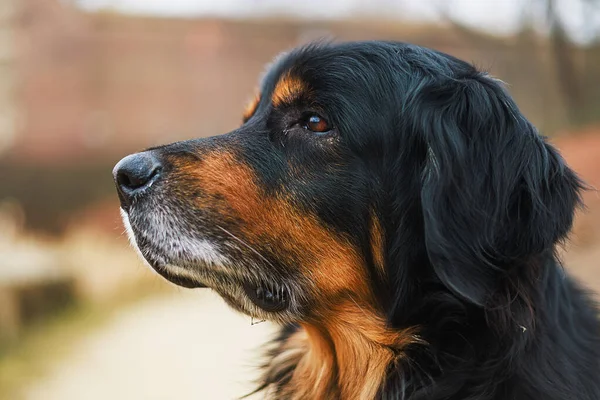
(316, 123)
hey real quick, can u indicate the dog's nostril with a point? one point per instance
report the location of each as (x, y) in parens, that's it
(123, 179)
(135, 172)
(134, 181)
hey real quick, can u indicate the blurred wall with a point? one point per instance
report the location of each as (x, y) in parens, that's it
(100, 84)
(8, 72)
(80, 90)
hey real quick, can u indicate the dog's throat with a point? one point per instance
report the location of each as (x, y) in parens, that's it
(271, 298)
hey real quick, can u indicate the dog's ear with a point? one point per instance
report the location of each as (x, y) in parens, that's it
(494, 192)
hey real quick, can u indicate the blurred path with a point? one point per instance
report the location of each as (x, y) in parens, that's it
(185, 346)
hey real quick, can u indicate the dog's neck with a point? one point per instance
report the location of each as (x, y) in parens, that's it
(345, 357)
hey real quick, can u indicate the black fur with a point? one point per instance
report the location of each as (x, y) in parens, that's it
(474, 202)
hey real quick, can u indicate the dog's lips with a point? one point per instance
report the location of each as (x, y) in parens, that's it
(268, 296)
(271, 298)
(183, 282)
(178, 280)
(140, 244)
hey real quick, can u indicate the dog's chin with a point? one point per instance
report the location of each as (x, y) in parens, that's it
(183, 281)
(265, 296)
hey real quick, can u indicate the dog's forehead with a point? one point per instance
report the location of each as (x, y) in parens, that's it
(303, 70)
(284, 71)
(275, 68)
(342, 63)
(282, 82)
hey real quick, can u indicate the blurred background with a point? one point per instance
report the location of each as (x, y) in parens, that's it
(85, 82)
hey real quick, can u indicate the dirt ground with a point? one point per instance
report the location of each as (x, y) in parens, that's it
(188, 345)
(191, 346)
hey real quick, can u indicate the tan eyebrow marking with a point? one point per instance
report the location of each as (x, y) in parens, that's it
(288, 89)
(251, 107)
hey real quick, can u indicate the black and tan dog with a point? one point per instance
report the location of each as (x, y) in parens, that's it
(394, 211)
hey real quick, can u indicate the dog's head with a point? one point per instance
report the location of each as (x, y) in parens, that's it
(363, 175)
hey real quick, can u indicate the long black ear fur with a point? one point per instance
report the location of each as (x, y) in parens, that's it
(494, 193)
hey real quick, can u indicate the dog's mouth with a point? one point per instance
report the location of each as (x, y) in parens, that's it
(269, 297)
(182, 281)
(234, 283)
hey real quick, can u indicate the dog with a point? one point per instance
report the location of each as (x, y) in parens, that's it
(392, 209)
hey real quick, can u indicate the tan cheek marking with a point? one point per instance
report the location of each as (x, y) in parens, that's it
(288, 89)
(377, 246)
(333, 264)
(250, 108)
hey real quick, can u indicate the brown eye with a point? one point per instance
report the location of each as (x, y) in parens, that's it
(317, 124)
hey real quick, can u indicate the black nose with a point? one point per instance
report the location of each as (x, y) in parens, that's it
(135, 173)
